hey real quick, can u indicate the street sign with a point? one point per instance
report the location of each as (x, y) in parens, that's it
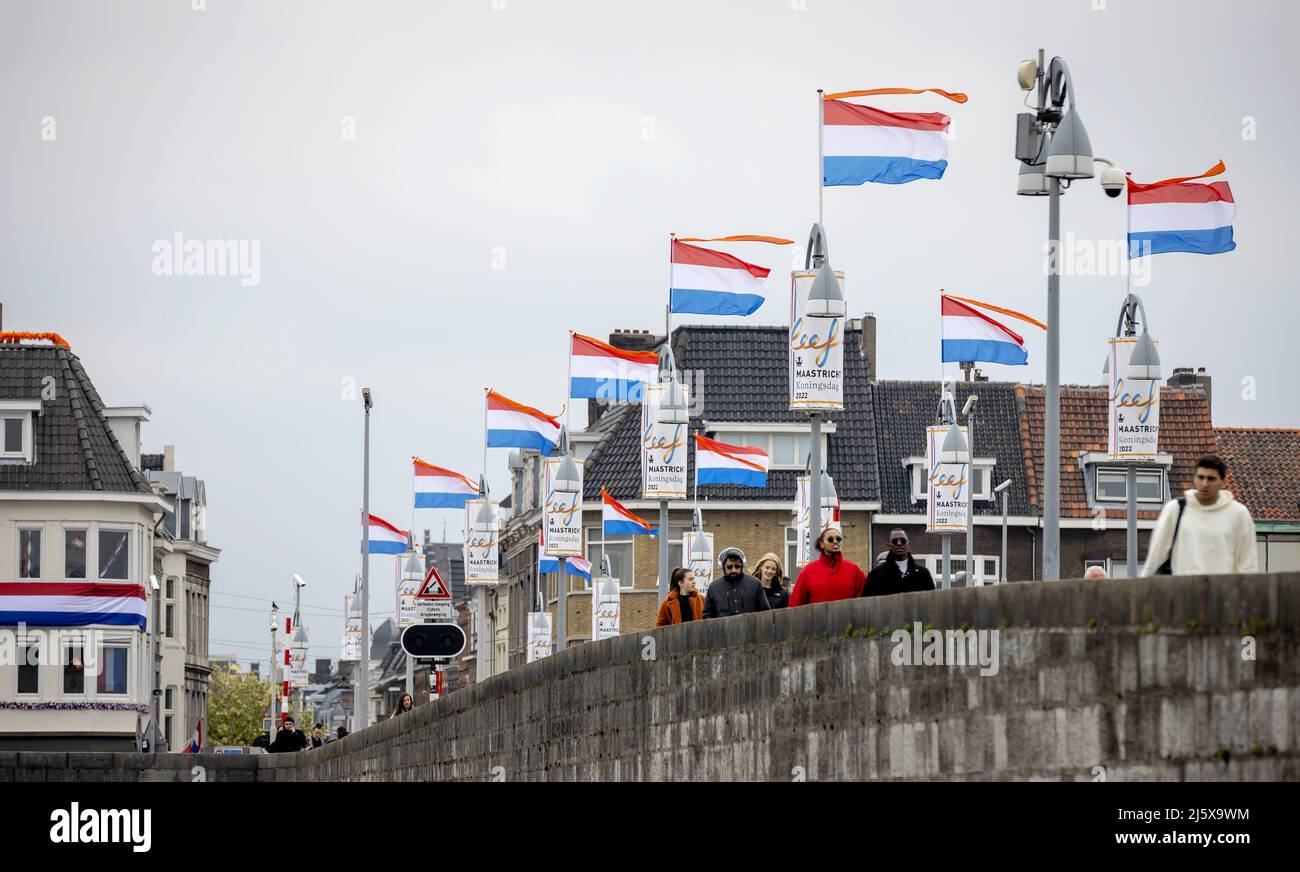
(433, 640)
(433, 599)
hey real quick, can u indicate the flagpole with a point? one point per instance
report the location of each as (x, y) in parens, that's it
(486, 391)
(821, 160)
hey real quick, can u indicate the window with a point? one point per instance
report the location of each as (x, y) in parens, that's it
(171, 588)
(114, 554)
(167, 730)
(169, 698)
(74, 553)
(74, 670)
(13, 436)
(791, 550)
(619, 552)
(29, 668)
(170, 618)
(986, 568)
(112, 669)
(29, 553)
(1112, 485)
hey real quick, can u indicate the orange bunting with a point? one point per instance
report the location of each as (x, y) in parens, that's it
(774, 240)
(24, 335)
(1001, 311)
(954, 96)
(1217, 170)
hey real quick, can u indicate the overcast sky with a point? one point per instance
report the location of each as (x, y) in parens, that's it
(562, 141)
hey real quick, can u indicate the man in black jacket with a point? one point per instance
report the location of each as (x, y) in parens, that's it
(736, 593)
(900, 573)
(288, 739)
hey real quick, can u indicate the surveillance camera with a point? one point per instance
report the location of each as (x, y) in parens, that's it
(297, 579)
(1113, 181)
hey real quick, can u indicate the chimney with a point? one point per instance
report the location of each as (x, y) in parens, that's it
(625, 340)
(1185, 377)
(869, 344)
(169, 458)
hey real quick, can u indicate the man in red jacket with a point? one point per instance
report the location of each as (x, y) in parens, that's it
(830, 576)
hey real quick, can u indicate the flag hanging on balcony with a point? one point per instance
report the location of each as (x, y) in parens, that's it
(69, 604)
(719, 463)
(1179, 215)
(864, 144)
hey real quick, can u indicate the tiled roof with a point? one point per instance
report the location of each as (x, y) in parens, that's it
(1263, 470)
(75, 449)
(743, 377)
(903, 409)
(1185, 433)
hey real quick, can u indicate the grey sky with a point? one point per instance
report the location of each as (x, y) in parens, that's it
(569, 138)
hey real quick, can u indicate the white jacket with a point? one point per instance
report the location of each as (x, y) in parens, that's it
(1212, 540)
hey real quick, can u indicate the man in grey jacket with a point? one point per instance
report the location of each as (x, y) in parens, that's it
(735, 593)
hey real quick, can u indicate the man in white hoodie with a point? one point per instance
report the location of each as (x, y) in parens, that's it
(1203, 532)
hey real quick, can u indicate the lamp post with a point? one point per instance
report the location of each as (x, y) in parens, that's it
(299, 633)
(485, 521)
(825, 300)
(1061, 133)
(1002, 567)
(412, 571)
(968, 410)
(672, 411)
(361, 710)
(1143, 363)
(567, 482)
(953, 450)
(274, 706)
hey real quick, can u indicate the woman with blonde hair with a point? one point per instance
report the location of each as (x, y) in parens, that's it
(771, 573)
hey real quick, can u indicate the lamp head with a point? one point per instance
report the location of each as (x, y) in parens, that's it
(829, 498)
(954, 448)
(1069, 154)
(1031, 182)
(1144, 363)
(825, 297)
(366, 398)
(673, 409)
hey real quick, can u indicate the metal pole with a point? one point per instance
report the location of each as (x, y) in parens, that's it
(663, 548)
(1002, 574)
(970, 500)
(562, 606)
(363, 710)
(1132, 545)
(947, 561)
(410, 676)
(480, 670)
(1052, 411)
(155, 668)
(815, 478)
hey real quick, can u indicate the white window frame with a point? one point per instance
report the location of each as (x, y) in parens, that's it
(41, 644)
(115, 640)
(24, 410)
(87, 680)
(934, 563)
(792, 428)
(130, 550)
(1097, 469)
(20, 528)
(916, 478)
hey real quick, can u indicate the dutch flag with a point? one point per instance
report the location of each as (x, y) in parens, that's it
(719, 463)
(195, 744)
(383, 538)
(438, 488)
(970, 335)
(514, 425)
(708, 282)
(69, 604)
(618, 521)
(601, 371)
(862, 144)
(1178, 215)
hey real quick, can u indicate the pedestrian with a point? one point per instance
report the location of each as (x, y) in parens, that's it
(1203, 532)
(831, 576)
(771, 574)
(1094, 572)
(736, 593)
(404, 705)
(683, 602)
(899, 573)
(317, 736)
(341, 732)
(288, 739)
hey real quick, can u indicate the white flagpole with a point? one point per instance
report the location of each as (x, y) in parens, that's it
(821, 161)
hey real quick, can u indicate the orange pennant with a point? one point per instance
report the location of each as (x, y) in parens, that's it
(774, 240)
(954, 96)
(1001, 311)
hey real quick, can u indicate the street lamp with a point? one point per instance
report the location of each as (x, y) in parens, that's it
(275, 626)
(1143, 363)
(825, 300)
(1002, 489)
(1059, 134)
(953, 450)
(674, 412)
(567, 482)
(968, 411)
(299, 642)
(361, 711)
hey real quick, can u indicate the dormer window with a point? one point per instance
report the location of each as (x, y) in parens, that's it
(16, 429)
(1106, 481)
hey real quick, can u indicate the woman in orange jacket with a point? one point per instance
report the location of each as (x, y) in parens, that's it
(683, 602)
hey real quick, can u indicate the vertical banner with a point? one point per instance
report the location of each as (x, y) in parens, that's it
(351, 631)
(663, 449)
(1134, 404)
(297, 675)
(562, 516)
(539, 636)
(816, 353)
(605, 608)
(703, 569)
(407, 612)
(481, 558)
(945, 490)
(803, 521)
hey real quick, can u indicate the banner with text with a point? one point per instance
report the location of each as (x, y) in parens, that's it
(562, 515)
(605, 608)
(663, 449)
(539, 636)
(945, 489)
(816, 352)
(1134, 404)
(351, 631)
(703, 567)
(482, 562)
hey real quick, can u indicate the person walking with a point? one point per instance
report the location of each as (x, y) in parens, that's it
(683, 602)
(288, 739)
(317, 736)
(831, 576)
(1203, 532)
(340, 733)
(404, 705)
(736, 593)
(771, 574)
(899, 573)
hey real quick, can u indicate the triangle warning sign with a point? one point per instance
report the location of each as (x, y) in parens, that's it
(433, 587)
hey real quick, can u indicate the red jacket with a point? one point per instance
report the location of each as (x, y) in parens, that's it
(827, 579)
